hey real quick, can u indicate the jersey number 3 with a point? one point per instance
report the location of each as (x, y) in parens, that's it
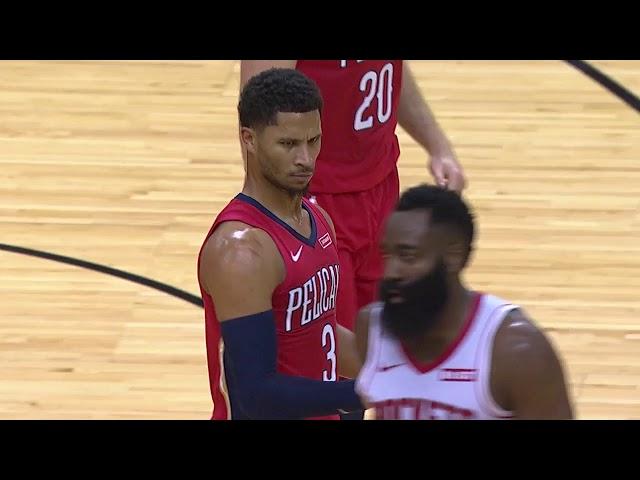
(374, 84)
(329, 340)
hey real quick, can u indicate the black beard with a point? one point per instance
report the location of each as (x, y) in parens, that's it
(291, 192)
(268, 173)
(423, 300)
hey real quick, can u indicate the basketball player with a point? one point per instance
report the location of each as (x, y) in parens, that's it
(269, 270)
(356, 179)
(435, 349)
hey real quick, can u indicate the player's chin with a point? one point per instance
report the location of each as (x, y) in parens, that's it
(300, 177)
(299, 183)
(394, 299)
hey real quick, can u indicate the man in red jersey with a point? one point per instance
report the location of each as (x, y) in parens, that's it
(269, 270)
(356, 179)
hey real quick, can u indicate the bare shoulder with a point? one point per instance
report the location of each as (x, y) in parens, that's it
(240, 266)
(236, 244)
(362, 327)
(364, 315)
(527, 375)
(520, 337)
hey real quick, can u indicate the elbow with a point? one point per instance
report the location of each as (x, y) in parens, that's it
(250, 404)
(258, 403)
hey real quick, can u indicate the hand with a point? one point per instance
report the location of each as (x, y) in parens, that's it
(447, 172)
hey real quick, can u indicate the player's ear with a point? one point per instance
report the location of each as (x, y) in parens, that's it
(248, 137)
(454, 256)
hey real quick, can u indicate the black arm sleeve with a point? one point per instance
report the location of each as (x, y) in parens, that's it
(261, 392)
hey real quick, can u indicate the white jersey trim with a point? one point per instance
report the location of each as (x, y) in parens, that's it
(374, 347)
(483, 362)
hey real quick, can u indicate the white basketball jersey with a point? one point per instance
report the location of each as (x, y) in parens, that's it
(453, 386)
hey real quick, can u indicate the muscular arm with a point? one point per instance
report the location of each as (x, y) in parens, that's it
(240, 268)
(415, 116)
(527, 376)
(362, 332)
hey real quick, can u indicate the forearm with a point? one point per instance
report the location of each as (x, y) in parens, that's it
(417, 119)
(284, 397)
(259, 390)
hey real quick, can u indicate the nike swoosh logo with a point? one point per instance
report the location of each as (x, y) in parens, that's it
(297, 255)
(384, 369)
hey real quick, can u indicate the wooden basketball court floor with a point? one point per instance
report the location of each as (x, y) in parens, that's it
(125, 164)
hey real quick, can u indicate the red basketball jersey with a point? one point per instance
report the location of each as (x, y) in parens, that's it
(359, 118)
(303, 304)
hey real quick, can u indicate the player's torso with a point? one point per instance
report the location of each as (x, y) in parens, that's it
(454, 386)
(303, 304)
(359, 119)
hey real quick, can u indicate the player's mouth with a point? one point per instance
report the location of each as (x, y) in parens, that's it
(302, 175)
(394, 296)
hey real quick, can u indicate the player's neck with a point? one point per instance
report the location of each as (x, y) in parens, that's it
(281, 203)
(446, 329)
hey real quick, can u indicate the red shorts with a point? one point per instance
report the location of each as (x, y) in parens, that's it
(359, 218)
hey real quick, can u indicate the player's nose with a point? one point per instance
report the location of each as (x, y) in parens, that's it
(304, 158)
(392, 268)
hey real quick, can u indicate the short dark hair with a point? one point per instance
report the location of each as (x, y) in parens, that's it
(446, 207)
(277, 90)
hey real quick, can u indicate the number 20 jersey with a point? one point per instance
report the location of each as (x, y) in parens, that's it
(359, 118)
